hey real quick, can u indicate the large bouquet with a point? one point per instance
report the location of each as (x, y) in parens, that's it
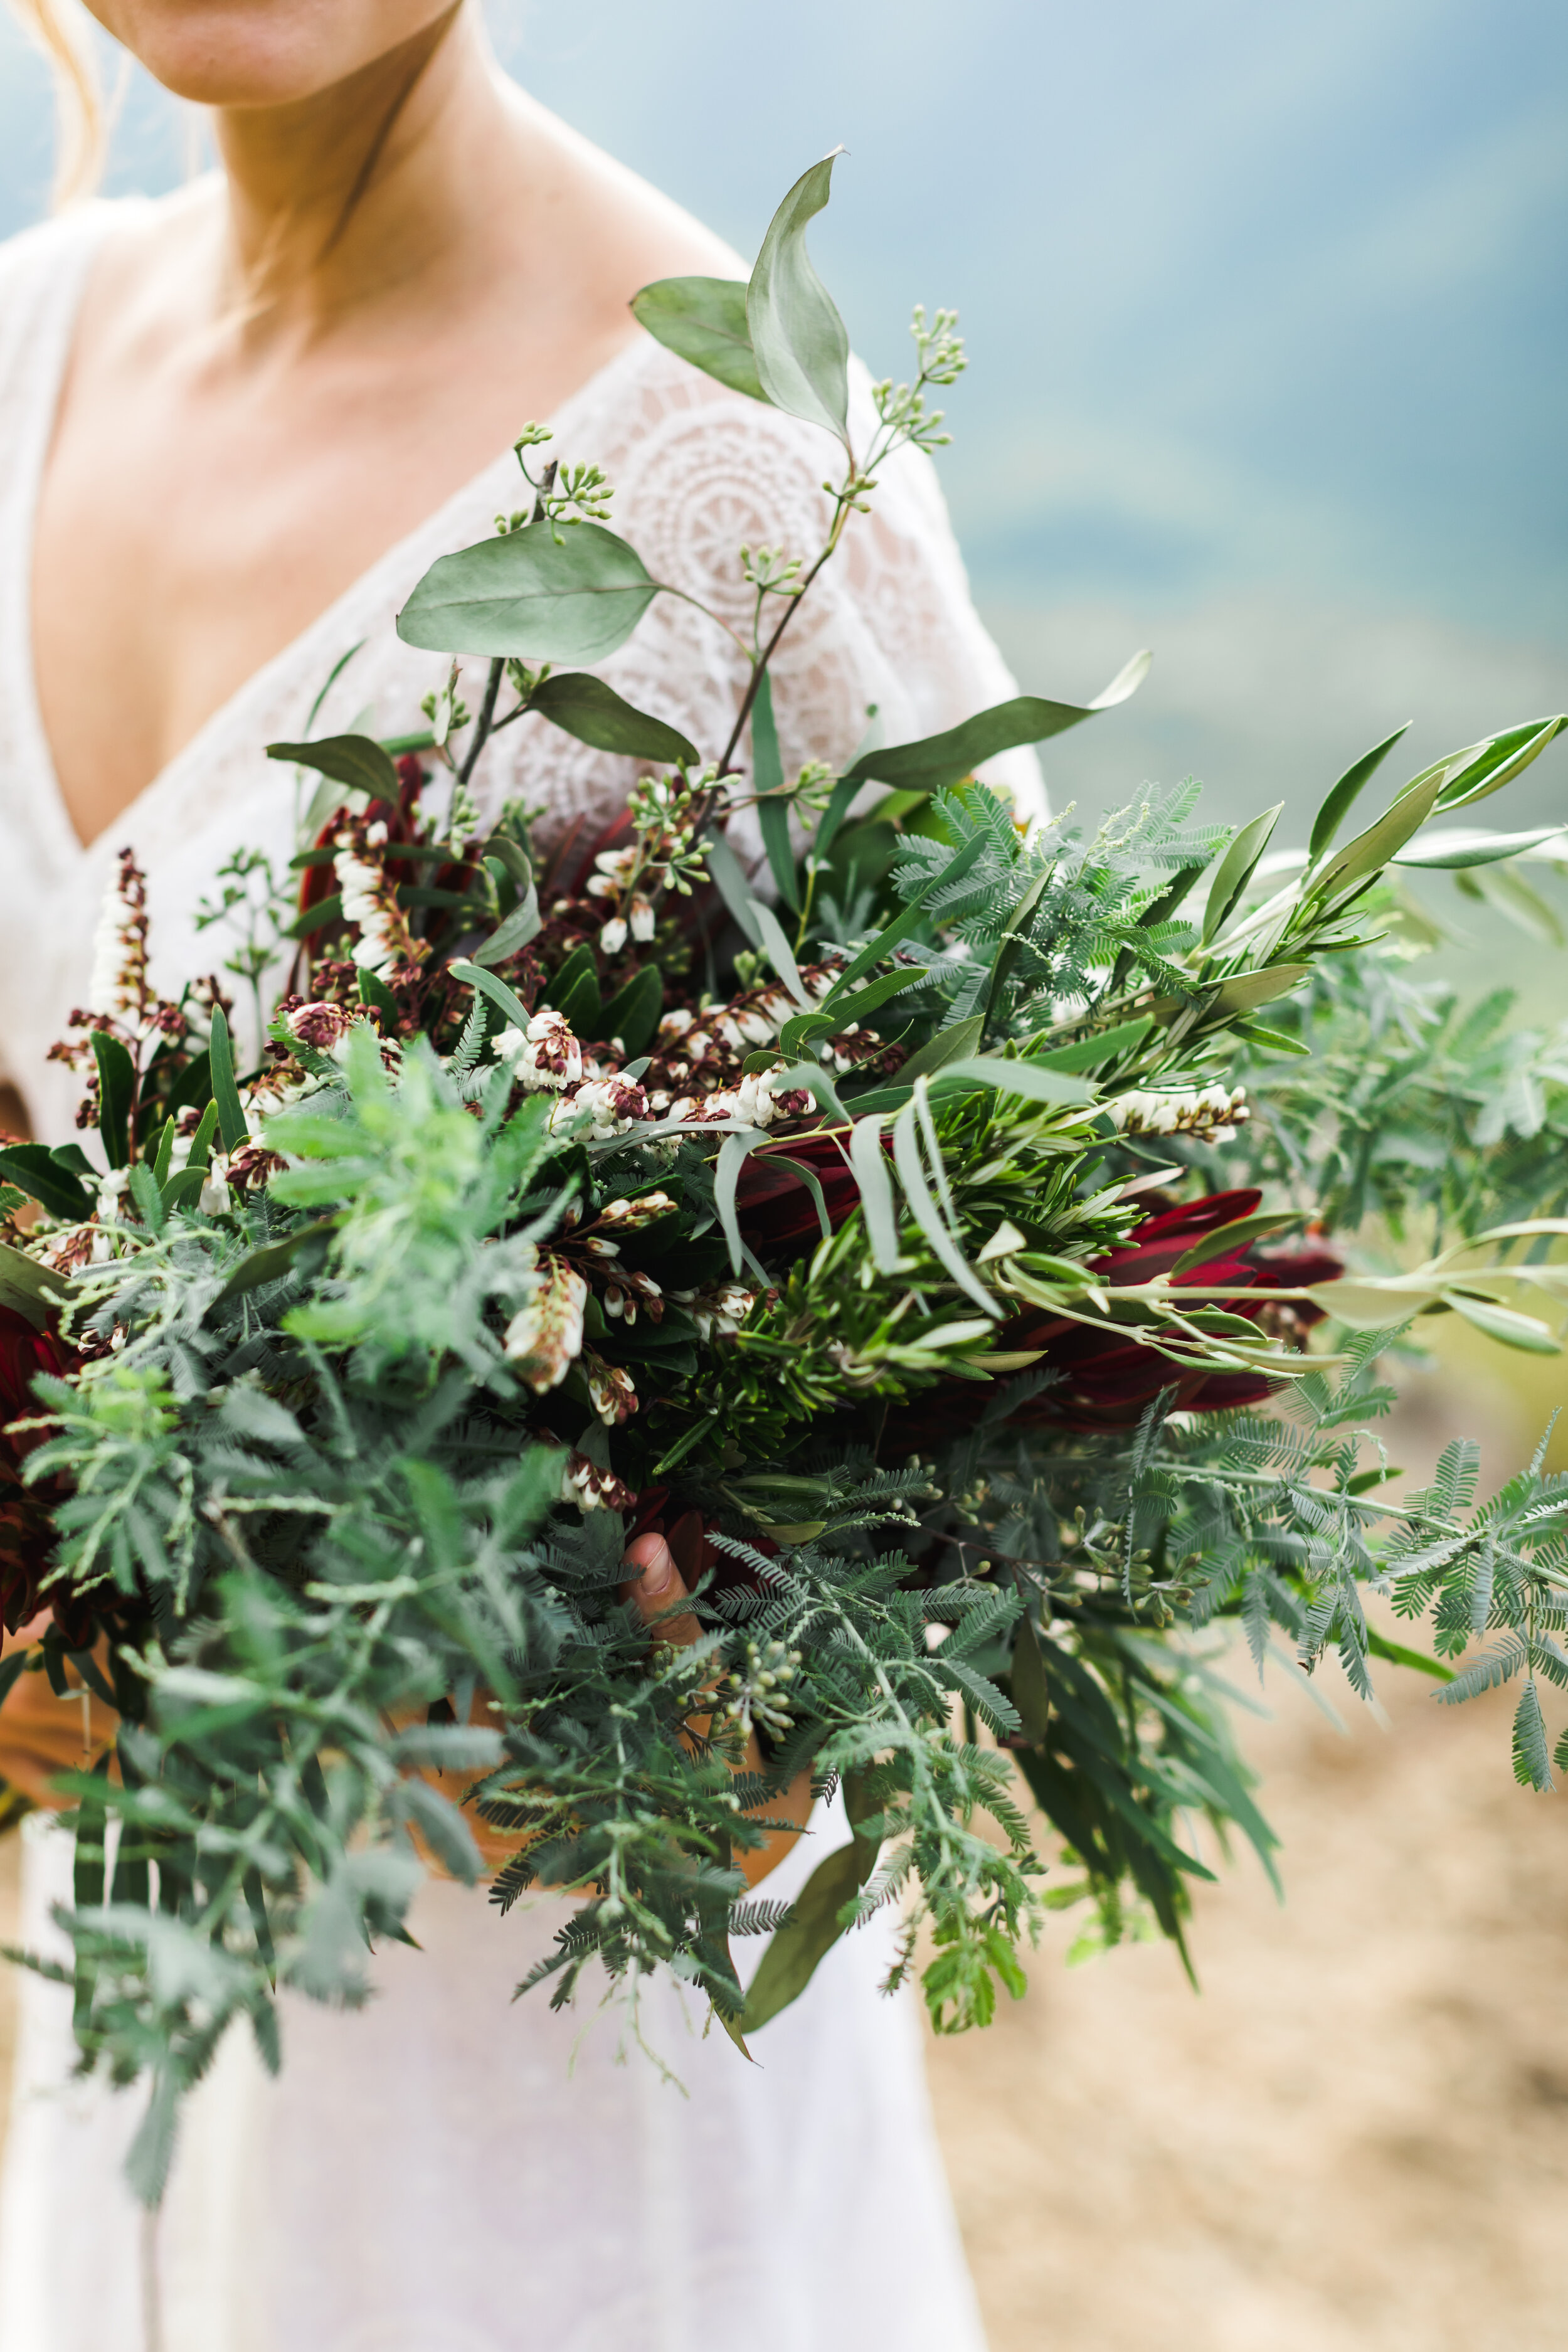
(906, 1240)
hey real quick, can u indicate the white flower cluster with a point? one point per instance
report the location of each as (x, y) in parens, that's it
(366, 896)
(1209, 1114)
(545, 1057)
(719, 1311)
(614, 871)
(118, 980)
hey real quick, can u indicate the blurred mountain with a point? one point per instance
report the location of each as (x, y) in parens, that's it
(1265, 310)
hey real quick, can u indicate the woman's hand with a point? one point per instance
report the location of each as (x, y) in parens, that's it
(655, 1588)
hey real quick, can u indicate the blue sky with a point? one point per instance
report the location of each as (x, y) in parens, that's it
(1265, 301)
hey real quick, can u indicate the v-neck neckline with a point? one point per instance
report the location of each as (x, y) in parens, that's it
(68, 849)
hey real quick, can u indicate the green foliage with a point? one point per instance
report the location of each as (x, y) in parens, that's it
(340, 1475)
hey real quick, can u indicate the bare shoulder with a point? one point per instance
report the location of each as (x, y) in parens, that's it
(148, 275)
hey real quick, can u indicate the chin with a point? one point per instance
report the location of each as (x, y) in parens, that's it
(262, 53)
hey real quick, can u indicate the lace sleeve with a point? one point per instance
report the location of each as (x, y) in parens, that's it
(700, 472)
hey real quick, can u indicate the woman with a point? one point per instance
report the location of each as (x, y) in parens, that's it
(235, 425)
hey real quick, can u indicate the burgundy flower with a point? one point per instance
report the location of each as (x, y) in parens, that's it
(778, 1216)
(26, 1536)
(1107, 1378)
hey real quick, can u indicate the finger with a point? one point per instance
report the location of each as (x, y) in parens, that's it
(657, 1586)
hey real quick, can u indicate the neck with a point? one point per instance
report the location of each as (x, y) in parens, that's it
(368, 185)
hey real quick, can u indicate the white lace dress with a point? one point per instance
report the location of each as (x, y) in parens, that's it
(448, 2171)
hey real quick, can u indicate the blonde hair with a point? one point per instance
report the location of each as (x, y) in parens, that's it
(61, 29)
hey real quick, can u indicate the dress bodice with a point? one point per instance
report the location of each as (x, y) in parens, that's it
(698, 471)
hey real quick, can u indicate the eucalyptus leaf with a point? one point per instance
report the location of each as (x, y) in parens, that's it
(583, 706)
(780, 954)
(358, 762)
(799, 341)
(1236, 1235)
(522, 924)
(940, 759)
(703, 320)
(526, 594)
(499, 994)
(876, 950)
(1088, 1053)
(317, 918)
(837, 1011)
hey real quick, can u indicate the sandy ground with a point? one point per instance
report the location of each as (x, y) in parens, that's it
(1355, 2140)
(1356, 2137)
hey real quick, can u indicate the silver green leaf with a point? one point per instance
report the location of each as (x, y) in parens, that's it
(527, 595)
(703, 320)
(939, 760)
(356, 760)
(583, 706)
(798, 340)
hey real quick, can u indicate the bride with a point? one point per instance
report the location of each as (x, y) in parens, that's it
(236, 427)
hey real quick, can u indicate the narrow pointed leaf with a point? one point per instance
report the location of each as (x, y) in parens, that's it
(1234, 868)
(733, 1155)
(1525, 1332)
(116, 1093)
(1484, 768)
(1337, 805)
(1025, 1078)
(940, 759)
(231, 1124)
(869, 1163)
(781, 954)
(522, 924)
(1451, 848)
(876, 950)
(729, 879)
(767, 779)
(923, 1208)
(954, 1044)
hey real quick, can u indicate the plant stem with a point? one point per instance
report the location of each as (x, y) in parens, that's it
(482, 724)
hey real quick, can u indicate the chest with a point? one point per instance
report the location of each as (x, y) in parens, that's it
(195, 518)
